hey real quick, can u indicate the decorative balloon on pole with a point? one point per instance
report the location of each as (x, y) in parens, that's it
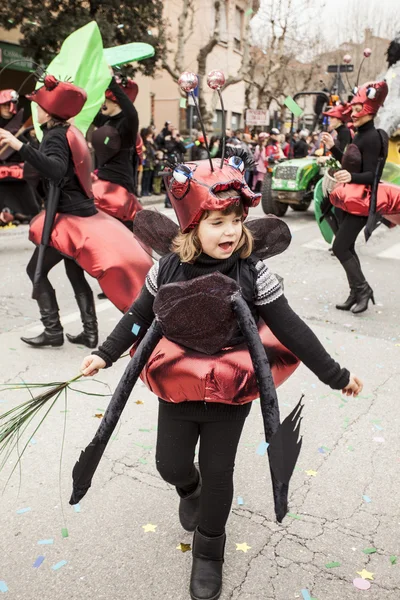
(215, 81)
(188, 82)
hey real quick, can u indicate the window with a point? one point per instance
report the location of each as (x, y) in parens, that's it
(238, 31)
(217, 121)
(223, 21)
(235, 121)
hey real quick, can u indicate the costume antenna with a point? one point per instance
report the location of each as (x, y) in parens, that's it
(215, 81)
(188, 82)
(367, 53)
(13, 62)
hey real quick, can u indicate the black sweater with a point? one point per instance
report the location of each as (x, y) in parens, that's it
(119, 169)
(54, 162)
(343, 137)
(369, 142)
(284, 323)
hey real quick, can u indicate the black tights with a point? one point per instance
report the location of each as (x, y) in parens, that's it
(176, 442)
(349, 228)
(52, 257)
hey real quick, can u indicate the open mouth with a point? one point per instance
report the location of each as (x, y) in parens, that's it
(226, 246)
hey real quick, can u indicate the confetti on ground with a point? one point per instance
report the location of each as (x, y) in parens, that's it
(46, 542)
(32, 441)
(149, 527)
(311, 473)
(77, 508)
(380, 440)
(369, 550)
(58, 565)
(393, 559)
(139, 402)
(3, 586)
(262, 448)
(240, 501)
(321, 450)
(294, 516)
(350, 448)
(64, 532)
(99, 415)
(38, 562)
(146, 430)
(22, 511)
(306, 595)
(366, 499)
(332, 565)
(361, 584)
(378, 427)
(184, 547)
(243, 547)
(143, 461)
(365, 574)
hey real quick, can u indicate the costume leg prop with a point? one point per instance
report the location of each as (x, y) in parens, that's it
(89, 459)
(284, 444)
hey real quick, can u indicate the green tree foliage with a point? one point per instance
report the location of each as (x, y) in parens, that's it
(44, 24)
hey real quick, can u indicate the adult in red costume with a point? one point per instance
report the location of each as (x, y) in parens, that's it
(17, 198)
(204, 299)
(362, 164)
(80, 235)
(114, 143)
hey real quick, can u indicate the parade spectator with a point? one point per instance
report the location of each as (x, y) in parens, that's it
(260, 158)
(272, 150)
(149, 161)
(200, 150)
(301, 148)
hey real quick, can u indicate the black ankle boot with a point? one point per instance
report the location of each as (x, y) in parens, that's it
(208, 559)
(53, 331)
(89, 336)
(363, 295)
(357, 283)
(189, 507)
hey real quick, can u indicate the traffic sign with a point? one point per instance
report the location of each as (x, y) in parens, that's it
(340, 68)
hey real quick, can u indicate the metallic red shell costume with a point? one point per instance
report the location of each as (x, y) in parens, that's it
(355, 199)
(81, 158)
(104, 248)
(226, 377)
(114, 199)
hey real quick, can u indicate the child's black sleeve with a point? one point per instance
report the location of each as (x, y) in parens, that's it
(293, 333)
(132, 326)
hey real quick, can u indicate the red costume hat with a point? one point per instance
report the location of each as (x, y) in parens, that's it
(9, 97)
(340, 111)
(193, 188)
(371, 96)
(130, 88)
(59, 99)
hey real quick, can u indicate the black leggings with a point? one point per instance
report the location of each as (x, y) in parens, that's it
(349, 228)
(52, 257)
(219, 438)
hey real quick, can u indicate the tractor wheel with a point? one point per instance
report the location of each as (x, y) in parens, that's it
(269, 205)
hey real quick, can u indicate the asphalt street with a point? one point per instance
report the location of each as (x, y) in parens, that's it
(124, 539)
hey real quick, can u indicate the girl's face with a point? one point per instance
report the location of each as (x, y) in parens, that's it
(42, 116)
(219, 234)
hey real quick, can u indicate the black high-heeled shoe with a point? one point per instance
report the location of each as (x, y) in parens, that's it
(364, 295)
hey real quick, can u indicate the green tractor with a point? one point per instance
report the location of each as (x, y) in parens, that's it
(292, 182)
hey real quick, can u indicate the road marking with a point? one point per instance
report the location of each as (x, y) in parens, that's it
(316, 244)
(391, 252)
(75, 316)
(299, 226)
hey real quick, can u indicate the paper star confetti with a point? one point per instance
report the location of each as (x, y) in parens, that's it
(243, 547)
(393, 559)
(184, 547)
(311, 473)
(149, 527)
(369, 550)
(365, 574)
(139, 402)
(99, 415)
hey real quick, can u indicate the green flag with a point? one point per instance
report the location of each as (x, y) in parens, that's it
(121, 55)
(81, 61)
(293, 106)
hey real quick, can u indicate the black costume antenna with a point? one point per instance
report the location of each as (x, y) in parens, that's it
(14, 62)
(188, 82)
(367, 53)
(215, 81)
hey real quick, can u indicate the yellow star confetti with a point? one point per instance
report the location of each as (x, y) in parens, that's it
(311, 473)
(243, 547)
(139, 402)
(149, 527)
(99, 415)
(184, 547)
(365, 574)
